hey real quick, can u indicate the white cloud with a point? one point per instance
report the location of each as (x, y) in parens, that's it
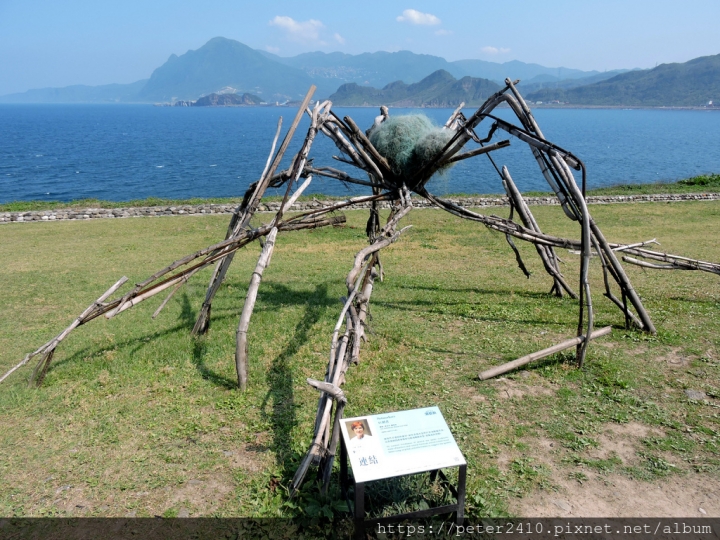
(417, 17)
(270, 48)
(494, 50)
(301, 32)
(339, 38)
(443, 32)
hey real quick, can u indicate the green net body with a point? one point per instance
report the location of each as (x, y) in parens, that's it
(409, 143)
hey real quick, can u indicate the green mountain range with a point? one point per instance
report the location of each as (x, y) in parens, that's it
(691, 84)
(541, 82)
(439, 89)
(223, 63)
(381, 68)
(223, 66)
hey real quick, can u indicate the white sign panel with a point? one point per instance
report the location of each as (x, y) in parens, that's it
(399, 443)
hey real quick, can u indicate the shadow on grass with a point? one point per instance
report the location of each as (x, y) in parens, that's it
(187, 317)
(273, 295)
(445, 308)
(280, 398)
(199, 349)
(138, 342)
(477, 290)
(693, 301)
(135, 344)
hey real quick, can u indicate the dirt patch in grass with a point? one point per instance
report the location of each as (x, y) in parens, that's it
(541, 451)
(622, 441)
(514, 389)
(590, 491)
(676, 358)
(72, 500)
(471, 393)
(200, 497)
(614, 495)
(251, 458)
(634, 430)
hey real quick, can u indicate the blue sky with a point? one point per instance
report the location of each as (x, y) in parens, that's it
(49, 43)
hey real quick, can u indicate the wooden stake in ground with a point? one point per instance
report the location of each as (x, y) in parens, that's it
(241, 335)
(524, 360)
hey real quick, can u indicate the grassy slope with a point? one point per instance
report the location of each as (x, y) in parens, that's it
(137, 416)
(698, 184)
(690, 84)
(439, 89)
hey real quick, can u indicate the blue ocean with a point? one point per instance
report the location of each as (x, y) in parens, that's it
(124, 152)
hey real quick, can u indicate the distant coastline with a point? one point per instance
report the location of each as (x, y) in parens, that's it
(295, 104)
(621, 107)
(230, 99)
(543, 106)
(292, 104)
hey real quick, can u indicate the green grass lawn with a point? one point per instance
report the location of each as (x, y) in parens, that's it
(137, 417)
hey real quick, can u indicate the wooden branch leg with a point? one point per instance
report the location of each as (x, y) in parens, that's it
(48, 350)
(674, 262)
(358, 317)
(244, 213)
(342, 351)
(586, 314)
(41, 369)
(518, 257)
(556, 182)
(608, 270)
(241, 346)
(332, 450)
(558, 174)
(203, 321)
(302, 469)
(330, 390)
(363, 307)
(622, 279)
(372, 229)
(337, 356)
(546, 253)
(241, 350)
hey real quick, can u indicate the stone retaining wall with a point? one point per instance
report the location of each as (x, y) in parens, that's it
(202, 209)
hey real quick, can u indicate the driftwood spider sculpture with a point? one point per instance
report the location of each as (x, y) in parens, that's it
(388, 183)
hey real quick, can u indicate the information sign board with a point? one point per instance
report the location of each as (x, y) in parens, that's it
(399, 443)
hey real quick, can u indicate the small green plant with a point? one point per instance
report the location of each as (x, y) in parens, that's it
(658, 466)
(702, 180)
(578, 476)
(170, 513)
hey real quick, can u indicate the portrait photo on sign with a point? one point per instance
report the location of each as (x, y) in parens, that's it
(358, 429)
